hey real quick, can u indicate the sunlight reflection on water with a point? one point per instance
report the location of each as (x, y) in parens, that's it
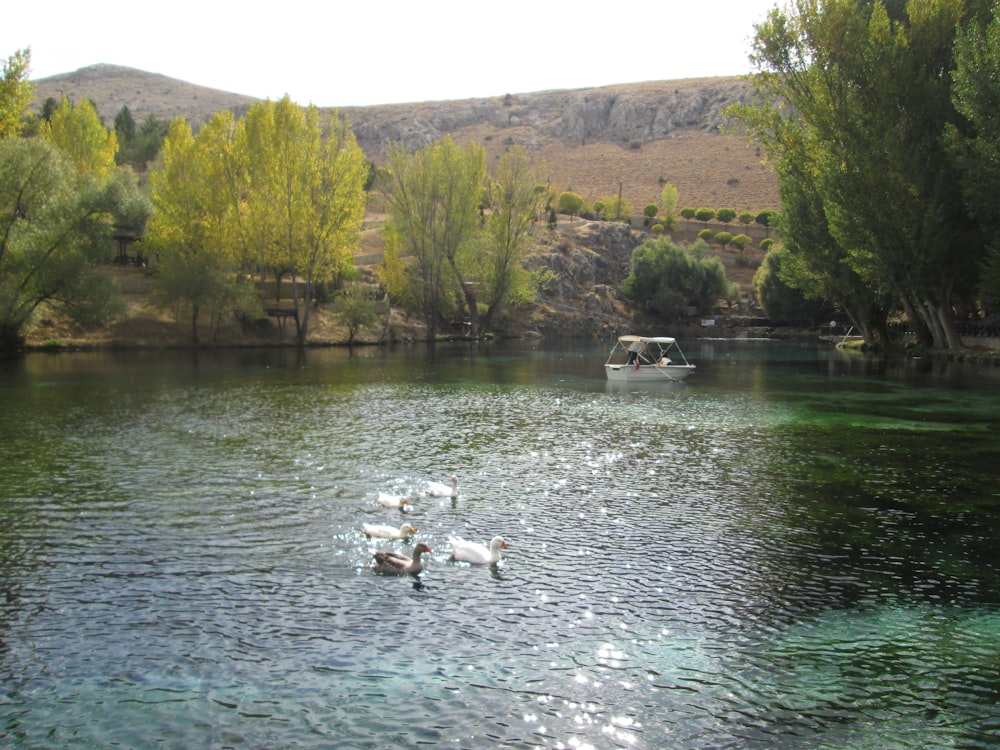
(684, 570)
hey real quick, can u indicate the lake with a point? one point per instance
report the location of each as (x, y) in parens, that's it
(795, 548)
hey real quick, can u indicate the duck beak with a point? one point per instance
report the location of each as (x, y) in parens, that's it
(505, 545)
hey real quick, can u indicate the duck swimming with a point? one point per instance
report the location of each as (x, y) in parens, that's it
(388, 532)
(477, 553)
(392, 501)
(438, 489)
(392, 563)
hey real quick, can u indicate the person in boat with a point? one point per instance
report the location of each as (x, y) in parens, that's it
(635, 349)
(664, 361)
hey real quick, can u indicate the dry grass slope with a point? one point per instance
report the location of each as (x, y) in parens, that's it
(637, 135)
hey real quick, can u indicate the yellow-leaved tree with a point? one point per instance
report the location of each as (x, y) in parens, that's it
(16, 93)
(193, 232)
(304, 196)
(78, 131)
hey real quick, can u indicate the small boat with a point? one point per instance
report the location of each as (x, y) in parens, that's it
(657, 358)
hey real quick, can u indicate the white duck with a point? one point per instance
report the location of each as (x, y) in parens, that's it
(477, 553)
(392, 563)
(439, 489)
(388, 532)
(391, 501)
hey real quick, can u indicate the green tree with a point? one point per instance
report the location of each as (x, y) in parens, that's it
(392, 269)
(869, 83)
(434, 197)
(392, 273)
(725, 215)
(746, 219)
(783, 303)
(723, 239)
(767, 219)
(687, 214)
(16, 93)
(741, 242)
(817, 266)
(127, 133)
(49, 106)
(570, 203)
(669, 278)
(976, 95)
(704, 215)
(149, 141)
(616, 208)
(649, 212)
(355, 309)
(55, 227)
(668, 204)
(515, 203)
(124, 126)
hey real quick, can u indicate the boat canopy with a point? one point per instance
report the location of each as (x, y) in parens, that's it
(647, 339)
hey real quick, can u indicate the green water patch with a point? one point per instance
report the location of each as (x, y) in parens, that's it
(920, 669)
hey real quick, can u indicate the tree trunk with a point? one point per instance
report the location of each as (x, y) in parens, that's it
(944, 321)
(300, 334)
(917, 322)
(470, 301)
(195, 309)
(11, 339)
(306, 308)
(932, 314)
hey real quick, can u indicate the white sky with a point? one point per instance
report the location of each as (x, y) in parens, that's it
(360, 52)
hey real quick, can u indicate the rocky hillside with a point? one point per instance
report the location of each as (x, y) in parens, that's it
(630, 138)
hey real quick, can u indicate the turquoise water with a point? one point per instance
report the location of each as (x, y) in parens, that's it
(793, 549)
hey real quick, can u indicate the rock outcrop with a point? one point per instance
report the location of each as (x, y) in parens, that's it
(630, 114)
(587, 265)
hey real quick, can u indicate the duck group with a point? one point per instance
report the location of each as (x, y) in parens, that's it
(391, 562)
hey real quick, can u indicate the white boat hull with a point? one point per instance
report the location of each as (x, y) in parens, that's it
(626, 373)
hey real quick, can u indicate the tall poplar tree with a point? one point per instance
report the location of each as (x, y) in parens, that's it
(516, 197)
(16, 93)
(304, 195)
(434, 197)
(977, 96)
(78, 131)
(870, 82)
(193, 230)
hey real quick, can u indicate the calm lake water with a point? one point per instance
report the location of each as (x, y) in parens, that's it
(796, 548)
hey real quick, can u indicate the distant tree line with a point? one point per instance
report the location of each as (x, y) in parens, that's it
(276, 196)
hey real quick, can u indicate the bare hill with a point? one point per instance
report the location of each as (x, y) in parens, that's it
(597, 141)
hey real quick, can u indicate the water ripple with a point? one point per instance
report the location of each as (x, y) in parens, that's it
(190, 571)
